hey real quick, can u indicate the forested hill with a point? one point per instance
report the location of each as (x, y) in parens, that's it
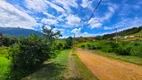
(122, 33)
(18, 31)
(130, 31)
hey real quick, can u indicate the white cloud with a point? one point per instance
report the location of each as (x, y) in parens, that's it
(66, 4)
(59, 29)
(36, 5)
(40, 6)
(73, 20)
(86, 3)
(76, 30)
(48, 15)
(108, 28)
(56, 7)
(94, 23)
(49, 21)
(12, 17)
(98, 21)
(47, 26)
(109, 14)
(85, 34)
(129, 23)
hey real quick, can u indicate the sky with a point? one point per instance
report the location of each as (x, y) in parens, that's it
(72, 16)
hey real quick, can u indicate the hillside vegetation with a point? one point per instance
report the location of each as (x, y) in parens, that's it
(18, 31)
(21, 56)
(136, 31)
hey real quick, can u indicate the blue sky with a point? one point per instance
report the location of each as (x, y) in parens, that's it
(70, 16)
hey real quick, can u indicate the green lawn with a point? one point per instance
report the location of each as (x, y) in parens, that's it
(4, 68)
(85, 73)
(131, 59)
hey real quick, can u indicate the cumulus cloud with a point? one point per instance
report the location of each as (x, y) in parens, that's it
(131, 22)
(76, 30)
(12, 17)
(66, 4)
(94, 23)
(36, 5)
(84, 3)
(56, 7)
(73, 20)
(109, 14)
(108, 28)
(97, 22)
(49, 21)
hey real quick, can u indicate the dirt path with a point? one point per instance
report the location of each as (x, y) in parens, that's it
(72, 66)
(109, 69)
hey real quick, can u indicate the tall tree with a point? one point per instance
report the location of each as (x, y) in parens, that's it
(49, 34)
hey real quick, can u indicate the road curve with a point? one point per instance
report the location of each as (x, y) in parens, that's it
(109, 69)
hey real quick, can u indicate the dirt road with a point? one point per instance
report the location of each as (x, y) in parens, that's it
(72, 67)
(109, 69)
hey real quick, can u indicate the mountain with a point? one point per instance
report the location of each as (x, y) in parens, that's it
(18, 31)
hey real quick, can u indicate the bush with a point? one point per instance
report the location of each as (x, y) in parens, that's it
(82, 46)
(60, 46)
(69, 43)
(109, 47)
(136, 50)
(7, 41)
(93, 47)
(122, 49)
(27, 55)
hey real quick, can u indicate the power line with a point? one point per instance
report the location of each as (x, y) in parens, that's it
(93, 12)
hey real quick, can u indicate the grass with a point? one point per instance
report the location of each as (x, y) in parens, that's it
(4, 63)
(52, 69)
(3, 51)
(85, 73)
(62, 58)
(131, 59)
(4, 67)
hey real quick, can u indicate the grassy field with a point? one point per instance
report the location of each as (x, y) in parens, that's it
(131, 59)
(85, 73)
(4, 63)
(4, 68)
(53, 69)
(3, 51)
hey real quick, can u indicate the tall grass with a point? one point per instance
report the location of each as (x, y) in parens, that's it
(133, 48)
(4, 68)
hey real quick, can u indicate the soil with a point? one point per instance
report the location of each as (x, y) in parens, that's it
(109, 69)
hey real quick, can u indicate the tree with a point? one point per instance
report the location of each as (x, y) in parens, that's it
(69, 43)
(50, 35)
(27, 55)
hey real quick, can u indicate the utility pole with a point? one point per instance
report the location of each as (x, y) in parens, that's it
(74, 39)
(116, 36)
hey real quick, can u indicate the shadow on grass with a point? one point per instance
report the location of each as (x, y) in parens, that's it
(48, 71)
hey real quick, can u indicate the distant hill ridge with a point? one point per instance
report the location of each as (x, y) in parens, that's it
(126, 32)
(18, 31)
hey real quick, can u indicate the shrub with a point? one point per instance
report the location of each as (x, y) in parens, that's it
(109, 47)
(69, 43)
(122, 49)
(93, 47)
(82, 46)
(136, 50)
(27, 55)
(60, 46)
